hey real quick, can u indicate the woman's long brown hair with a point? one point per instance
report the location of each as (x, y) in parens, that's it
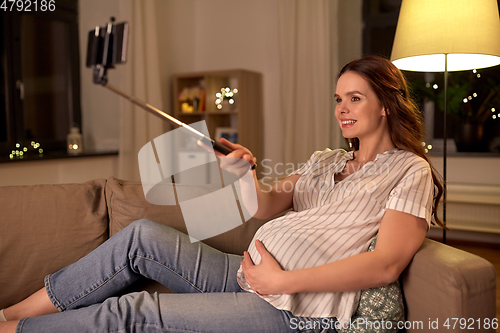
(403, 117)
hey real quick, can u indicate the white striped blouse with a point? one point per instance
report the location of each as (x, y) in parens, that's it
(332, 221)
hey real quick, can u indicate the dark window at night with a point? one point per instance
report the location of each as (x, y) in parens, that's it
(40, 86)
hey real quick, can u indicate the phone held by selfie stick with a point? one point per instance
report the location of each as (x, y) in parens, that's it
(107, 47)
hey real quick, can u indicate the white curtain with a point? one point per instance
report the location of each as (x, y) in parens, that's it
(141, 79)
(308, 59)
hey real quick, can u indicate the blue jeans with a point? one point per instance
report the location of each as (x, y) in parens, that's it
(207, 296)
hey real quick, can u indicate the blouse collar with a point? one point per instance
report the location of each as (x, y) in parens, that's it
(350, 154)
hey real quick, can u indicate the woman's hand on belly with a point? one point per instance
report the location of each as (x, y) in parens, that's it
(266, 278)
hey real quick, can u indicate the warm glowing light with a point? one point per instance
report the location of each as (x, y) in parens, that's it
(219, 106)
(429, 147)
(435, 62)
(493, 110)
(231, 101)
(435, 86)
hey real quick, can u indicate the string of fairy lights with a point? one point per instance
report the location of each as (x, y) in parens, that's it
(472, 96)
(225, 94)
(21, 152)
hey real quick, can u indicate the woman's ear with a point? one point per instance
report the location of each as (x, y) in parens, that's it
(385, 112)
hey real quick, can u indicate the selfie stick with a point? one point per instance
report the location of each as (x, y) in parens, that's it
(100, 77)
(148, 107)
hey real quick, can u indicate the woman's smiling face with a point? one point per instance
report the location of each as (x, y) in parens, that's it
(359, 111)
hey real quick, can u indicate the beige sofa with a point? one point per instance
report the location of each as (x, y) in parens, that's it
(46, 227)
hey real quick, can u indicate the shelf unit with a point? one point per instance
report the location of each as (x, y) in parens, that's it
(245, 115)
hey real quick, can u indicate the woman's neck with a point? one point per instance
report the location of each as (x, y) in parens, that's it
(368, 150)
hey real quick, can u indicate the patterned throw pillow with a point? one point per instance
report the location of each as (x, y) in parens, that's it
(379, 309)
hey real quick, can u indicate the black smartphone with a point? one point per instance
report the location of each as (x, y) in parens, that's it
(107, 46)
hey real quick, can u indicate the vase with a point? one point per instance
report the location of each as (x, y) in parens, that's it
(469, 137)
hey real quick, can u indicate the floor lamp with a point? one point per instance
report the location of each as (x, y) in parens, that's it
(445, 36)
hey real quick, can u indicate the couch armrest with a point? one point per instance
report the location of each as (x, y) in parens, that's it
(443, 283)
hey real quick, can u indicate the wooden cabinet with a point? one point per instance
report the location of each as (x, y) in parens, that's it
(229, 101)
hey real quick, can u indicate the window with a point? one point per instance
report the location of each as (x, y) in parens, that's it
(40, 86)
(380, 21)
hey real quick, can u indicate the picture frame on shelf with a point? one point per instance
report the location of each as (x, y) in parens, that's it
(228, 133)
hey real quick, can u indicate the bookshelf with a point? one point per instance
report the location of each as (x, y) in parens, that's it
(195, 96)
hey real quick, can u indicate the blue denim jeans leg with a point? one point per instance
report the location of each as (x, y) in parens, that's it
(207, 299)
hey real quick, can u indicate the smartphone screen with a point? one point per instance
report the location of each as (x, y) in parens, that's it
(107, 47)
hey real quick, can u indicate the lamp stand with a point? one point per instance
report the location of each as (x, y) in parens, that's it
(445, 139)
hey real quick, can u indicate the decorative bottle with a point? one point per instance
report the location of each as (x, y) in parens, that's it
(74, 141)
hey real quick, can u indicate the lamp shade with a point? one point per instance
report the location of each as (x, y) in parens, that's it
(468, 31)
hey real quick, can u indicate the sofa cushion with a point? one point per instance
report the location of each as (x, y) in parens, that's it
(126, 204)
(379, 310)
(44, 228)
